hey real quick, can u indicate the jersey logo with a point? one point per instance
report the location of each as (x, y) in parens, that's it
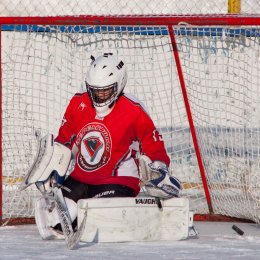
(95, 144)
(82, 105)
(157, 136)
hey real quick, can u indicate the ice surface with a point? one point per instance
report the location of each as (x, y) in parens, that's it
(216, 241)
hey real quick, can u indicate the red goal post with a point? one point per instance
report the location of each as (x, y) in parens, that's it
(197, 75)
(132, 20)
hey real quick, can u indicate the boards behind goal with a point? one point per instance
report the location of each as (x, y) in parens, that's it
(197, 76)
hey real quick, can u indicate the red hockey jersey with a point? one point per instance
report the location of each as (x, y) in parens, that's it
(107, 147)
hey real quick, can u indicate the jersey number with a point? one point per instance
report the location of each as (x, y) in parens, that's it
(157, 136)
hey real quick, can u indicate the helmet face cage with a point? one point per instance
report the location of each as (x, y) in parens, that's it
(102, 96)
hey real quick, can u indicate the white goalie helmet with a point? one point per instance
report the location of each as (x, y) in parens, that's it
(105, 81)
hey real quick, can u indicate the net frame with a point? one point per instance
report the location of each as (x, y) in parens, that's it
(169, 21)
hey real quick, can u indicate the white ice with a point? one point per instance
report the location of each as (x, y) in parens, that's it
(216, 240)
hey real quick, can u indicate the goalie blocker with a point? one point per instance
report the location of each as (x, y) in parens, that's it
(52, 160)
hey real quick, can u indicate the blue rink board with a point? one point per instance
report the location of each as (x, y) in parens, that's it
(139, 30)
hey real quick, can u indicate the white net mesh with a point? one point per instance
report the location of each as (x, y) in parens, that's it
(43, 66)
(39, 77)
(221, 68)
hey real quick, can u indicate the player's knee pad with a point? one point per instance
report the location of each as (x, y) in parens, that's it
(46, 217)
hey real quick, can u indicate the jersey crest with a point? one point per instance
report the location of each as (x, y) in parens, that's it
(95, 145)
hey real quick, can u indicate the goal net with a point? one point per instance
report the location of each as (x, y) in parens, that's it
(198, 77)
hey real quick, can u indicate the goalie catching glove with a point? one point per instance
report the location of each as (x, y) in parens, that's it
(157, 179)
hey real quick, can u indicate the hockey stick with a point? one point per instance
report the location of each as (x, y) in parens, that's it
(72, 238)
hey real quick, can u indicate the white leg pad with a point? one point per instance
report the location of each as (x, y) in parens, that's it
(134, 219)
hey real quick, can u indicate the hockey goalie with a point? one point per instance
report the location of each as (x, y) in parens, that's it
(115, 148)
